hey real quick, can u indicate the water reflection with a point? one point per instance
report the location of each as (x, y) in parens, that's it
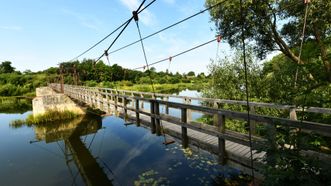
(15, 105)
(75, 149)
(101, 151)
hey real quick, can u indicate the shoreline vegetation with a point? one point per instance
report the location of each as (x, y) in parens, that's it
(47, 117)
(15, 105)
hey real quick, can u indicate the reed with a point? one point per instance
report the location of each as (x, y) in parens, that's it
(47, 117)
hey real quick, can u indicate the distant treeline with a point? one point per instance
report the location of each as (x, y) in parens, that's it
(90, 73)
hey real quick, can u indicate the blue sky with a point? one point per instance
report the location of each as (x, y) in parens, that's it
(38, 34)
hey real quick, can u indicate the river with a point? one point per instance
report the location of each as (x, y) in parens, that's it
(100, 151)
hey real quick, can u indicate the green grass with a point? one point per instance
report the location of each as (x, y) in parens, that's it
(162, 88)
(48, 117)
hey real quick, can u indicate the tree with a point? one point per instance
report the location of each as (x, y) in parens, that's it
(276, 26)
(191, 73)
(5, 67)
(228, 78)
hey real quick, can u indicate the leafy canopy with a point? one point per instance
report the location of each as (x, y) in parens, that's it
(276, 25)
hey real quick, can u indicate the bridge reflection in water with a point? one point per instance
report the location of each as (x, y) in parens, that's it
(75, 150)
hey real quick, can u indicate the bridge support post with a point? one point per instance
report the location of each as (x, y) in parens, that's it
(137, 112)
(157, 120)
(220, 123)
(152, 117)
(184, 129)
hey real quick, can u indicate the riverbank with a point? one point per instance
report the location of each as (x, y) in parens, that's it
(164, 88)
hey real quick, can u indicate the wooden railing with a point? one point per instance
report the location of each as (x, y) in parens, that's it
(106, 99)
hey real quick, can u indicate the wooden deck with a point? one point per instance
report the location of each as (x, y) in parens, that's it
(231, 147)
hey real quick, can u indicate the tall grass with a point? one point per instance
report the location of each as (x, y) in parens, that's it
(47, 117)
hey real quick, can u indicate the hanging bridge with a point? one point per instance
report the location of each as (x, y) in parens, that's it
(164, 116)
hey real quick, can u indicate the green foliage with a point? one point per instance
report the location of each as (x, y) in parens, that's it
(276, 26)
(5, 67)
(15, 84)
(287, 164)
(14, 105)
(47, 117)
(191, 73)
(228, 78)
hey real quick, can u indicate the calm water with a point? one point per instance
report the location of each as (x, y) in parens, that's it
(100, 151)
(177, 112)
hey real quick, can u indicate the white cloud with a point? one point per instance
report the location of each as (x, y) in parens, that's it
(11, 28)
(146, 17)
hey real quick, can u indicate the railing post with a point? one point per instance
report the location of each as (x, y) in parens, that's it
(188, 111)
(125, 102)
(116, 102)
(137, 112)
(219, 122)
(107, 101)
(252, 122)
(99, 99)
(293, 114)
(132, 102)
(152, 116)
(184, 129)
(157, 120)
(111, 95)
(93, 98)
(142, 102)
(166, 106)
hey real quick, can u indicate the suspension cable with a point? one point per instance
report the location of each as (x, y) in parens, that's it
(145, 57)
(306, 2)
(246, 87)
(123, 24)
(168, 27)
(179, 54)
(96, 44)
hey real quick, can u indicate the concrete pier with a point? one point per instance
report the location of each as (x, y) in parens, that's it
(48, 100)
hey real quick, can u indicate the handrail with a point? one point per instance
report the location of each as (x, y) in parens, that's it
(320, 128)
(224, 101)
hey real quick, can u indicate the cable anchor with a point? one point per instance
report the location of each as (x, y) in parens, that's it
(219, 38)
(135, 15)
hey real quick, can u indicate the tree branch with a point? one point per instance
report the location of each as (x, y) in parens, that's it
(281, 43)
